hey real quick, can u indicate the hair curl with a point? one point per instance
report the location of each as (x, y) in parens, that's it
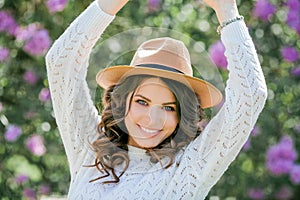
(111, 146)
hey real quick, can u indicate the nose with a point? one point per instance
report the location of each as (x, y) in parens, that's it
(157, 116)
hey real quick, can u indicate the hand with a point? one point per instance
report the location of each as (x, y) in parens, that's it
(225, 9)
(111, 6)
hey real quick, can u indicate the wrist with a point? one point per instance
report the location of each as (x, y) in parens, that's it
(227, 12)
(225, 23)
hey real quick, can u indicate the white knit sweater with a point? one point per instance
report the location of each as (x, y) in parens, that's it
(197, 168)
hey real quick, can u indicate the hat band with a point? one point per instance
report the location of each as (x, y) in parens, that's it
(162, 67)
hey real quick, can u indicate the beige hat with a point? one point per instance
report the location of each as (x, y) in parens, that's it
(162, 57)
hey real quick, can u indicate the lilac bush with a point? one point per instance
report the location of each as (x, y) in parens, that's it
(21, 178)
(264, 9)
(4, 54)
(281, 157)
(293, 19)
(255, 131)
(26, 32)
(153, 5)
(256, 194)
(29, 194)
(216, 52)
(247, 145)
(295, 71)
(7, 23)
(44, 189)
(35, 143)
(295, 174)
(44, 95)
(56, 5)
(285, 192)
(290, 53)
(268, 166)
(30, 77)
(38, 43)
(12, 133)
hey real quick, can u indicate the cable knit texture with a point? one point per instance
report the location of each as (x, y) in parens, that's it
(197, 168)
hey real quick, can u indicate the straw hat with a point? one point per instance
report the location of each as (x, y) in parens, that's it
(162, 57)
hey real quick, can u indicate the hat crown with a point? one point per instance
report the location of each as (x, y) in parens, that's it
(164, 51)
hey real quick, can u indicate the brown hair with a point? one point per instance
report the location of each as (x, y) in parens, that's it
(111, 146)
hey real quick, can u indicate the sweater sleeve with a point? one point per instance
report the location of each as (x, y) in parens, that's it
(67, 62)
(207, 158)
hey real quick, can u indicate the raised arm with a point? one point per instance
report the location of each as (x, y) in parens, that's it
(67, 63)
(207, 158)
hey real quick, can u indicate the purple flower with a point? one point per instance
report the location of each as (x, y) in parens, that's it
(255, 131)
(295, 71)
(44, 189)
(35, 144)
(256, 193)
(290, 54)
(281, 157)
(29, 194)
(295, 174)
(37, 40)
(56, 5)
(30, 77)
(4, 54)
(247, 145)
(263, 9)
(38, 44)
(44, 95)
(12, 133)
(153, 5)
(7, 23)
(25, 33)
(292, 18)
(216, 52)
(293, 4)
(21, 178)
(284, 193)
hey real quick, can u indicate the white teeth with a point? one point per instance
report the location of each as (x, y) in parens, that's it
(149, 131)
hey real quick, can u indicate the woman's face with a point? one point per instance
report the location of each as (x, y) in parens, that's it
(152, 116)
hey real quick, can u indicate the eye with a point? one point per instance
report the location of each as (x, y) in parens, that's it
(141, 102)
(169, 108)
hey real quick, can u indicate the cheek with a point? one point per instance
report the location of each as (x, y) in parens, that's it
(171, 122)
(136, 112)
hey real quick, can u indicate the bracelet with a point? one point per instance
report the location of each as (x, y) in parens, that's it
(221, 26)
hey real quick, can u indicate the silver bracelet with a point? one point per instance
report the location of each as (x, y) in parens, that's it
(221, 26)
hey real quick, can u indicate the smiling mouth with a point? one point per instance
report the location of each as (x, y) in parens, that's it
(149, 131)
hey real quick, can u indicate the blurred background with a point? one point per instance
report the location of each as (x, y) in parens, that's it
(33, 164)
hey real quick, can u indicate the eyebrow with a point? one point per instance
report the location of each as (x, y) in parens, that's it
(166, 103)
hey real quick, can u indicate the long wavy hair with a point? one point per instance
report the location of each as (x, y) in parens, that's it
(111, 145)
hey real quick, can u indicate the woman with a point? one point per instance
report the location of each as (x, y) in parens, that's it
(149, 144)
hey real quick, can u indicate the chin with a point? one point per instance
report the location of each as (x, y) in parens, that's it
(146, 146)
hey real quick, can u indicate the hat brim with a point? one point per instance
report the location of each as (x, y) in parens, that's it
(209, 95)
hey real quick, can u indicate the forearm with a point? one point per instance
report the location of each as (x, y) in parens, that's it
(224, 9)
(227, 12)
(111, 6)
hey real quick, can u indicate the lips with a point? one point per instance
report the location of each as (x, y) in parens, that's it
(149, 132)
